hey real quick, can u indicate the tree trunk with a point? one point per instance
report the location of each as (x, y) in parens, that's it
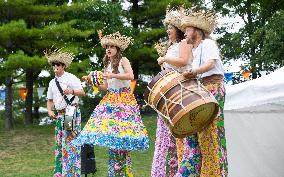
(135, 9)
(29, 98)
(36, 106)
(135, 24)
(8, 104)
(135, 66)
(251, 29)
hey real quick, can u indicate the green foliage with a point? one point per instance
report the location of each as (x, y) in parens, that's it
(89, 104)
(28, 27)
(21, 60)
(34, 26)
(272, 53)
(256, 42)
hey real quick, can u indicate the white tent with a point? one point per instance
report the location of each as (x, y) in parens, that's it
(254, 122)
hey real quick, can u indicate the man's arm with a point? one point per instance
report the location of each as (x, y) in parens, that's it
(50, 105)
(207, 66)
(75, 88)
(78, 92)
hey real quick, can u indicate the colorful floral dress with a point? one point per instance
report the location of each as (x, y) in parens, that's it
(212, 143)
(116, 124)
(165, 162)
(67, 156)
(170, 152)
(212, 139)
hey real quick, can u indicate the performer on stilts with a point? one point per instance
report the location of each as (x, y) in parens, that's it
(116, 122)
(207, 66)
(67, 156)
(169, 151)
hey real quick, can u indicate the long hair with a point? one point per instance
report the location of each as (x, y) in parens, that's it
(115, 62)
(179, 36)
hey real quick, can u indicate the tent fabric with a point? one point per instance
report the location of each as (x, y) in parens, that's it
(255, 143)
(254, 124)
(260, 91)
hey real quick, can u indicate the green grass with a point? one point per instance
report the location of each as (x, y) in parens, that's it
(28, 152)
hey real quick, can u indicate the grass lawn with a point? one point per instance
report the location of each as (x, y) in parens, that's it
(28, 152)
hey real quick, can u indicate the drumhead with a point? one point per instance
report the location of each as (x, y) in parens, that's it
(195, 120)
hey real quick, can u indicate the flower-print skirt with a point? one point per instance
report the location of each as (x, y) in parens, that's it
(116, 123)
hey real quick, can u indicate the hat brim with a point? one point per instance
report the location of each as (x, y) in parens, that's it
(197, 23)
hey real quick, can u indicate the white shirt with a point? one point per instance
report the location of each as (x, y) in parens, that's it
(205, 51)
(67, 80)
(173, 52)
(115, 83)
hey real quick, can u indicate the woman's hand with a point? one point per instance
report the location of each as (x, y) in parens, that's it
(108, 75)
(161, 60)
(190, 74)
(88, 79)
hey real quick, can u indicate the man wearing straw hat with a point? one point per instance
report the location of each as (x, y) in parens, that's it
(207, 66)
(63, 92)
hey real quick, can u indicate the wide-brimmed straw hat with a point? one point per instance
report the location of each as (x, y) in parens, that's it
(115, 39)
(58, 56)
(205, 20)
(174, 16)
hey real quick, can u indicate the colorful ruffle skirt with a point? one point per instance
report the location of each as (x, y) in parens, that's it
(115, 123)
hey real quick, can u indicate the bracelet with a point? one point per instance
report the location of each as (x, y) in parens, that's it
(73, 92)
(99, 78)
(93, 77)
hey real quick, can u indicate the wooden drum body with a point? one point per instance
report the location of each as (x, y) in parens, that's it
(186, 105)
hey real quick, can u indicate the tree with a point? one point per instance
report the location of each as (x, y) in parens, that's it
(250, 42)
(28, 27)
(272, 50)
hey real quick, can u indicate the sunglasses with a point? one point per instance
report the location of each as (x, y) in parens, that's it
(57, 64)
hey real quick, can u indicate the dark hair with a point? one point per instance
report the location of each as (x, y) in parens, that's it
(180, 34)
(114, 62)
(57, 63)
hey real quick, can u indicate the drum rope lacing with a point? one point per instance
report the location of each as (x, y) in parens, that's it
(174, 102)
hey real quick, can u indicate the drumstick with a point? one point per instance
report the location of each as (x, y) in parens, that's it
(162, 66)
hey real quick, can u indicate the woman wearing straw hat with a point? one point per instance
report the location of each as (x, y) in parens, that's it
(116, 122)
(178, 57)
(207, 65)
(67, 156)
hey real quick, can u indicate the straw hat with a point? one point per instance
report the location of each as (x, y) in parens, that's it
(115, 39)
(174, 16)
(58, 56)
(202, 19)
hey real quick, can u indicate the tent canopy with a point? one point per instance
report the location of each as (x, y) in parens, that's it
(254, 95)
(254, 123)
